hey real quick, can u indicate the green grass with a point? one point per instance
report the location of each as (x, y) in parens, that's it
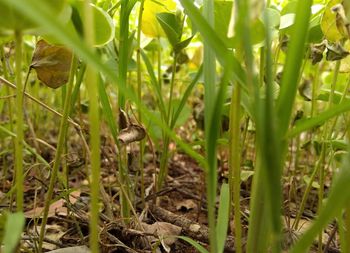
(238, 73)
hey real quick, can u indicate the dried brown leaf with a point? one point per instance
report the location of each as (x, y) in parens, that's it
(164, 231)
(52, 63)
(56, 207)
(123, 119)
(77, 249)
(131, 134)
(185, 205)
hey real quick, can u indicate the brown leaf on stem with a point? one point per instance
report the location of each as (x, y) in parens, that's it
(52, 63)
(131, 134)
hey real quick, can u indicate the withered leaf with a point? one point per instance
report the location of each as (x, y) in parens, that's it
(163, 230)
(316, 52)
(305, 90)
(185, 205)
(131, 134)
(76, 249)
(52, 63)
(335, 52)
(124, 121)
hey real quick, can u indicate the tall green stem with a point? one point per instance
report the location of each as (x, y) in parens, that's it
(58, 155)
(209, 68)
(139, 95)
(163, 167)
(235, 163)
(19, 123)
(125, 9)
(94, 123)
(10, 107)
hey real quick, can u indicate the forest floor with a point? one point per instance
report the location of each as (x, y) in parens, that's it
(179, 208)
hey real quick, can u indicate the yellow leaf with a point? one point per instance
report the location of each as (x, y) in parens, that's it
(150, 25)
(329, 22)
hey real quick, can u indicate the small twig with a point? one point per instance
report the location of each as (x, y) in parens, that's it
(157, 194)
(11, 85)
(47, 240)
(190, 228)
(330, 238)
(119, 243)
(8, 96)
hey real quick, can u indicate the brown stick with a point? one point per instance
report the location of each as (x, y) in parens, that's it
(190, 228)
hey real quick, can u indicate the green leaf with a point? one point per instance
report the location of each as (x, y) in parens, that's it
(314, 184)
(290, 7)
(287, 21)
(258, 31)
(222, 14)
(215, 42)
(273, 17)
(154, 83)
(185, 97)
(246, 174)
(315, 31)
(291, 72)
(14, 20)
(223, 217)
(107, 109)
(183, 44)
(171, 27)
(195, 244)
(103, 24)
(304, 125)
(13, 230)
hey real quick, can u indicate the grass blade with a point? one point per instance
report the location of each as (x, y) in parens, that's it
(107, 109)
(222, 53)
(185, 97)
(195, 244)
(291, 71)
(154, 84)
(12, 233)
(223, 217)
(338, 198)
(306, 124)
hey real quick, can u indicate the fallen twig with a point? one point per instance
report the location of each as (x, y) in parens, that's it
(190, 228)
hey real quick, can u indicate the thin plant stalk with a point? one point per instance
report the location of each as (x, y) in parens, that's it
(10, 108)
(172, 83)
(341, 231)
(19, 122)
(324, 146)
(259, 226)
(321, 158)
(163, 167)
(346, 243)
(344, 218)
(315, 85)
(159, 63)
(307, 191)
(235, 163)
(235, 157)
(209, 68)
(94, 123)
(321, 194)
(59, 150)
(125, 9)
(139, 95)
